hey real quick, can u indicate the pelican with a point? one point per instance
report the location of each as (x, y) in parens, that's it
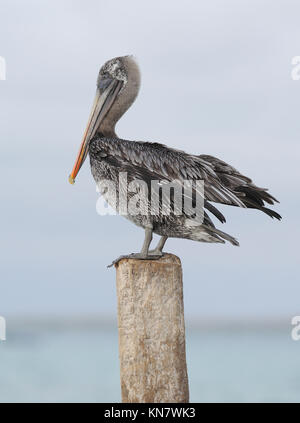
(118, 85)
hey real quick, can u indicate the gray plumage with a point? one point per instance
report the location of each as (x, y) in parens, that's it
(147, 161)
(153, 161)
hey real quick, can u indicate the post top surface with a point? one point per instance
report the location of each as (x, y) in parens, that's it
(167, 258)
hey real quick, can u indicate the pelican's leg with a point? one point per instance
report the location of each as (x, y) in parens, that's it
(158, 249)
(144, 254)
(147, 241)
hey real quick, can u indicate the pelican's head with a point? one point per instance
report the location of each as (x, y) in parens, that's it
(117, 87)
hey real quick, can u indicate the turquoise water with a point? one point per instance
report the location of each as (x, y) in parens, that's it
(44, 363)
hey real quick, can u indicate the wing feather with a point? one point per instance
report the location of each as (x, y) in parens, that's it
(222, 183)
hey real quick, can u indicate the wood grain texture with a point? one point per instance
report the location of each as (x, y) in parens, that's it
(151, 331)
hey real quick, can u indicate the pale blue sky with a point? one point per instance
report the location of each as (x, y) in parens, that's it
(216, 79)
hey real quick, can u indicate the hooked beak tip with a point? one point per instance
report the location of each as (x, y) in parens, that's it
(71, 180)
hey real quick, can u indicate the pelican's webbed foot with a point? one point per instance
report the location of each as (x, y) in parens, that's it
(152, 255)
(145, 254)
(156, 253)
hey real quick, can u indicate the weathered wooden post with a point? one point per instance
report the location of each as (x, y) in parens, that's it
(151, 330)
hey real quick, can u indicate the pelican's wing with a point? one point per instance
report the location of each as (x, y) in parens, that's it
(222, 183)
(166, 163)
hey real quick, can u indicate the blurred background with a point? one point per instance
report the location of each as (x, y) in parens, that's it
(216, 79)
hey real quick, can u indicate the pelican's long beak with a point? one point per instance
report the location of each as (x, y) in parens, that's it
(102, 104)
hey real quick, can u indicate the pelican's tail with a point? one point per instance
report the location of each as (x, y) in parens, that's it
(207, 233)
(224, 235)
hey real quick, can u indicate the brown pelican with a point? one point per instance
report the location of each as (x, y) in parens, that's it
(117, 87)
